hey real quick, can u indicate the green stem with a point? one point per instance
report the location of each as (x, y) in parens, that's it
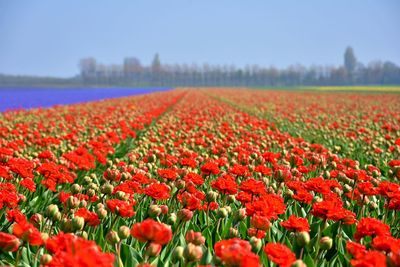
(317, 242)
(301, 253)
(18, 257)
(118, 251)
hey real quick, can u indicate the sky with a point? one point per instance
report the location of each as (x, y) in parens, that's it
(48, 37)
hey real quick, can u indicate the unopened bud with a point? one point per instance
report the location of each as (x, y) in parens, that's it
(164, 209)
(256, 244)
(102, 213)
(36, 219)
(87, 180)
(222, 213)
(233, 232)
(51, 210)
(172, 219)
(325, 243)
(212, 196)
(112, 237)
(154, 211)
(302, 238)
(121, 195)
(76, 188)
(82, 234)
(153, 249)
(124, 232)
(299, 263)
(78, 223)
(192, 252)
(180, 184)
(195, 238)
(177, 255)
(45, 259)
(57, 216)
(231, 199)
(107, 189)
(185, 214)
(91, 192)
(66, 225)
(240, 214)
(73, 202)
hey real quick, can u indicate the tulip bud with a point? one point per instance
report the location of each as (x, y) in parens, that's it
(222, 213)
(76, 188)
(78, 223)
(121, 195)
(171, 219)
(153, 249)
(66, 225)
(87, 180)
(299, 263)
(185, 214)
(82, 234)
(51, 210)
(233, 232)
(112, 237)
(57, 216)
(228, 209)
(22, 198)
(177, 255)
(72, 202)
(289, 193)
(302, 238)
(317, 199)
(107, 189)
(164, 209)
(91, 192)
(231, 199)
(195, 238)
(180, 184)
(240, 214)
(256, 244)
(93, 186)
(212, 196)
(325, 243)
(192, 252)
(45, 259)
(36, 219)
(154, 211)
(124, 232)
(373, 205)
(83, 203)
(102, 213)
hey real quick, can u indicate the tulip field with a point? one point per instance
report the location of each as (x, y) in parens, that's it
(203, 177)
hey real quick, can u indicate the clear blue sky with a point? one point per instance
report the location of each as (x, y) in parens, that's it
(48, 37)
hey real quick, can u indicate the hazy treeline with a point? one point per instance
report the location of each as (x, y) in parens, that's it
(132, 72)
(34, 81)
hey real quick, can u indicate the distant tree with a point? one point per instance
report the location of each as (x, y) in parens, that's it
(391, 73)
(350, 61)
(156, 64)
(88, 67)
(132, 65)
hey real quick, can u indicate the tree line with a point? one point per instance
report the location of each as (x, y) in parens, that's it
(132, 73)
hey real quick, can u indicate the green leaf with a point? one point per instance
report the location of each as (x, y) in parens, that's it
(309, 261)
(129, 256)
